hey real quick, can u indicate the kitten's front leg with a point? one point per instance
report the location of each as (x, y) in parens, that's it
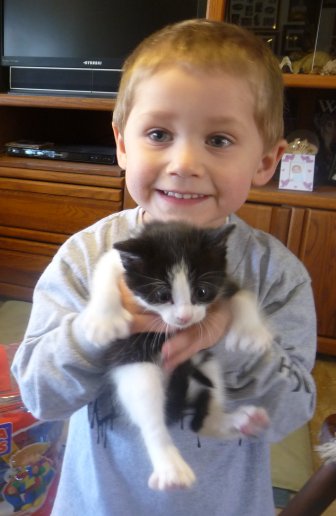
(105, 319)
(248, 331)
(141, 392)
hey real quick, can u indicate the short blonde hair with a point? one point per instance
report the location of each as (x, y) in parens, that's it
(209, 45)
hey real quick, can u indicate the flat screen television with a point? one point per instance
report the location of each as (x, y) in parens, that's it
(79, 46)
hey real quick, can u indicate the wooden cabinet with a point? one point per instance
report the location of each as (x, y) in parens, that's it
(42, 203)
(318, 252)
(306, 224)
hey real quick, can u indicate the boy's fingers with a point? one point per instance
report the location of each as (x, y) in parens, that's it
(188, 342)
(181, 347)
(143, 321)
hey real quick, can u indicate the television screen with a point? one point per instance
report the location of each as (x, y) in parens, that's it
(81, 33)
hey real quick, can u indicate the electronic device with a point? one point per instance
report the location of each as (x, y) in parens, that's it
(100, 154)
(79, 47)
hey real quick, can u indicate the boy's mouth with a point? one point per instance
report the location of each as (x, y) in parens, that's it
(180, 195)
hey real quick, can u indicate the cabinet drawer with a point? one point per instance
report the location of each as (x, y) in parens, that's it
(21, 264)
(65, 209)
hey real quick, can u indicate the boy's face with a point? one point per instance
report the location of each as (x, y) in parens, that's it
(191, 148)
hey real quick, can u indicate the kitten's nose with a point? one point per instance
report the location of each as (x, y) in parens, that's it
(182, 320)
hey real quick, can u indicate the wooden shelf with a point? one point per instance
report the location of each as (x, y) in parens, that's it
(57, 166)
(107, 104)
(296, 80)
(323, 197)
(58, 102)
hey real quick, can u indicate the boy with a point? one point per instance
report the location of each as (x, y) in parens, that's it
(198, 120)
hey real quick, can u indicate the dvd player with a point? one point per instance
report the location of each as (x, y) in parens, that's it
(100, 154)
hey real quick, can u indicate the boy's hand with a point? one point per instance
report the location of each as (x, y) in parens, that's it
(186, 343)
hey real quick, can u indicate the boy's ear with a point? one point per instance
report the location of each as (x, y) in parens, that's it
(121, 151)
(269, 163)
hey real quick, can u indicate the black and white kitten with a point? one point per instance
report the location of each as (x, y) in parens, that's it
(177, 271)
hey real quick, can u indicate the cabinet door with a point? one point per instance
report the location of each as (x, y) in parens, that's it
(318, 252)
(55, 207)
(283, 222)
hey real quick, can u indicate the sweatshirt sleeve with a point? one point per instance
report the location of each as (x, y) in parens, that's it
(281, 380)
(57, 371)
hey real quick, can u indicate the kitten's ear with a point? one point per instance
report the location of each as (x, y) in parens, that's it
(227, 230)
(219, 236)
(130, 252)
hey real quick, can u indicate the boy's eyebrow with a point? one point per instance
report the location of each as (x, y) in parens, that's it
(167, 115)
(158, 114)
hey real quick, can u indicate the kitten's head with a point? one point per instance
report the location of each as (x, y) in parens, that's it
(177, 270)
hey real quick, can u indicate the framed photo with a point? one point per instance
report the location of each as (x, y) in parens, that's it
(292, 38)
(259, 14)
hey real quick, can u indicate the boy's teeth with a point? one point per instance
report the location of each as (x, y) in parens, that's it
(182, 196)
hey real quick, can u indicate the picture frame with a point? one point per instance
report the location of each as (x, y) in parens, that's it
(297, 172)
(292, 38)
(254, 14)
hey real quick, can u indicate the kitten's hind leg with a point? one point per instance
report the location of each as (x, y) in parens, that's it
(212, 420)
(246, 421)
(141, 392)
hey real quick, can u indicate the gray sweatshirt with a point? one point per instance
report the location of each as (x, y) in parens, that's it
(105, 468)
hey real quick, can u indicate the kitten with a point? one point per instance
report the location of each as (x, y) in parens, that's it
(177, 271)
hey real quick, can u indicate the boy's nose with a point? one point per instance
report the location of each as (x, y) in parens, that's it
(185, 161)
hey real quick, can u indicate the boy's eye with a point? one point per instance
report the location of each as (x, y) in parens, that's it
(218, 140)
(159, 135)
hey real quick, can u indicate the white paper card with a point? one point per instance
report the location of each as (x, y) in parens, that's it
(297, 172)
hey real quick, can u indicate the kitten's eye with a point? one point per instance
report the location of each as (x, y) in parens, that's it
(203, 293)
(163, 295)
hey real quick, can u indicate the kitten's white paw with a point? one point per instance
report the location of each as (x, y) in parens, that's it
(253, 338)
(250, 420)
(172, 473)
(101, 330)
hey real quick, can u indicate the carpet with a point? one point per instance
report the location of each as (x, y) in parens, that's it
(291, 459)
